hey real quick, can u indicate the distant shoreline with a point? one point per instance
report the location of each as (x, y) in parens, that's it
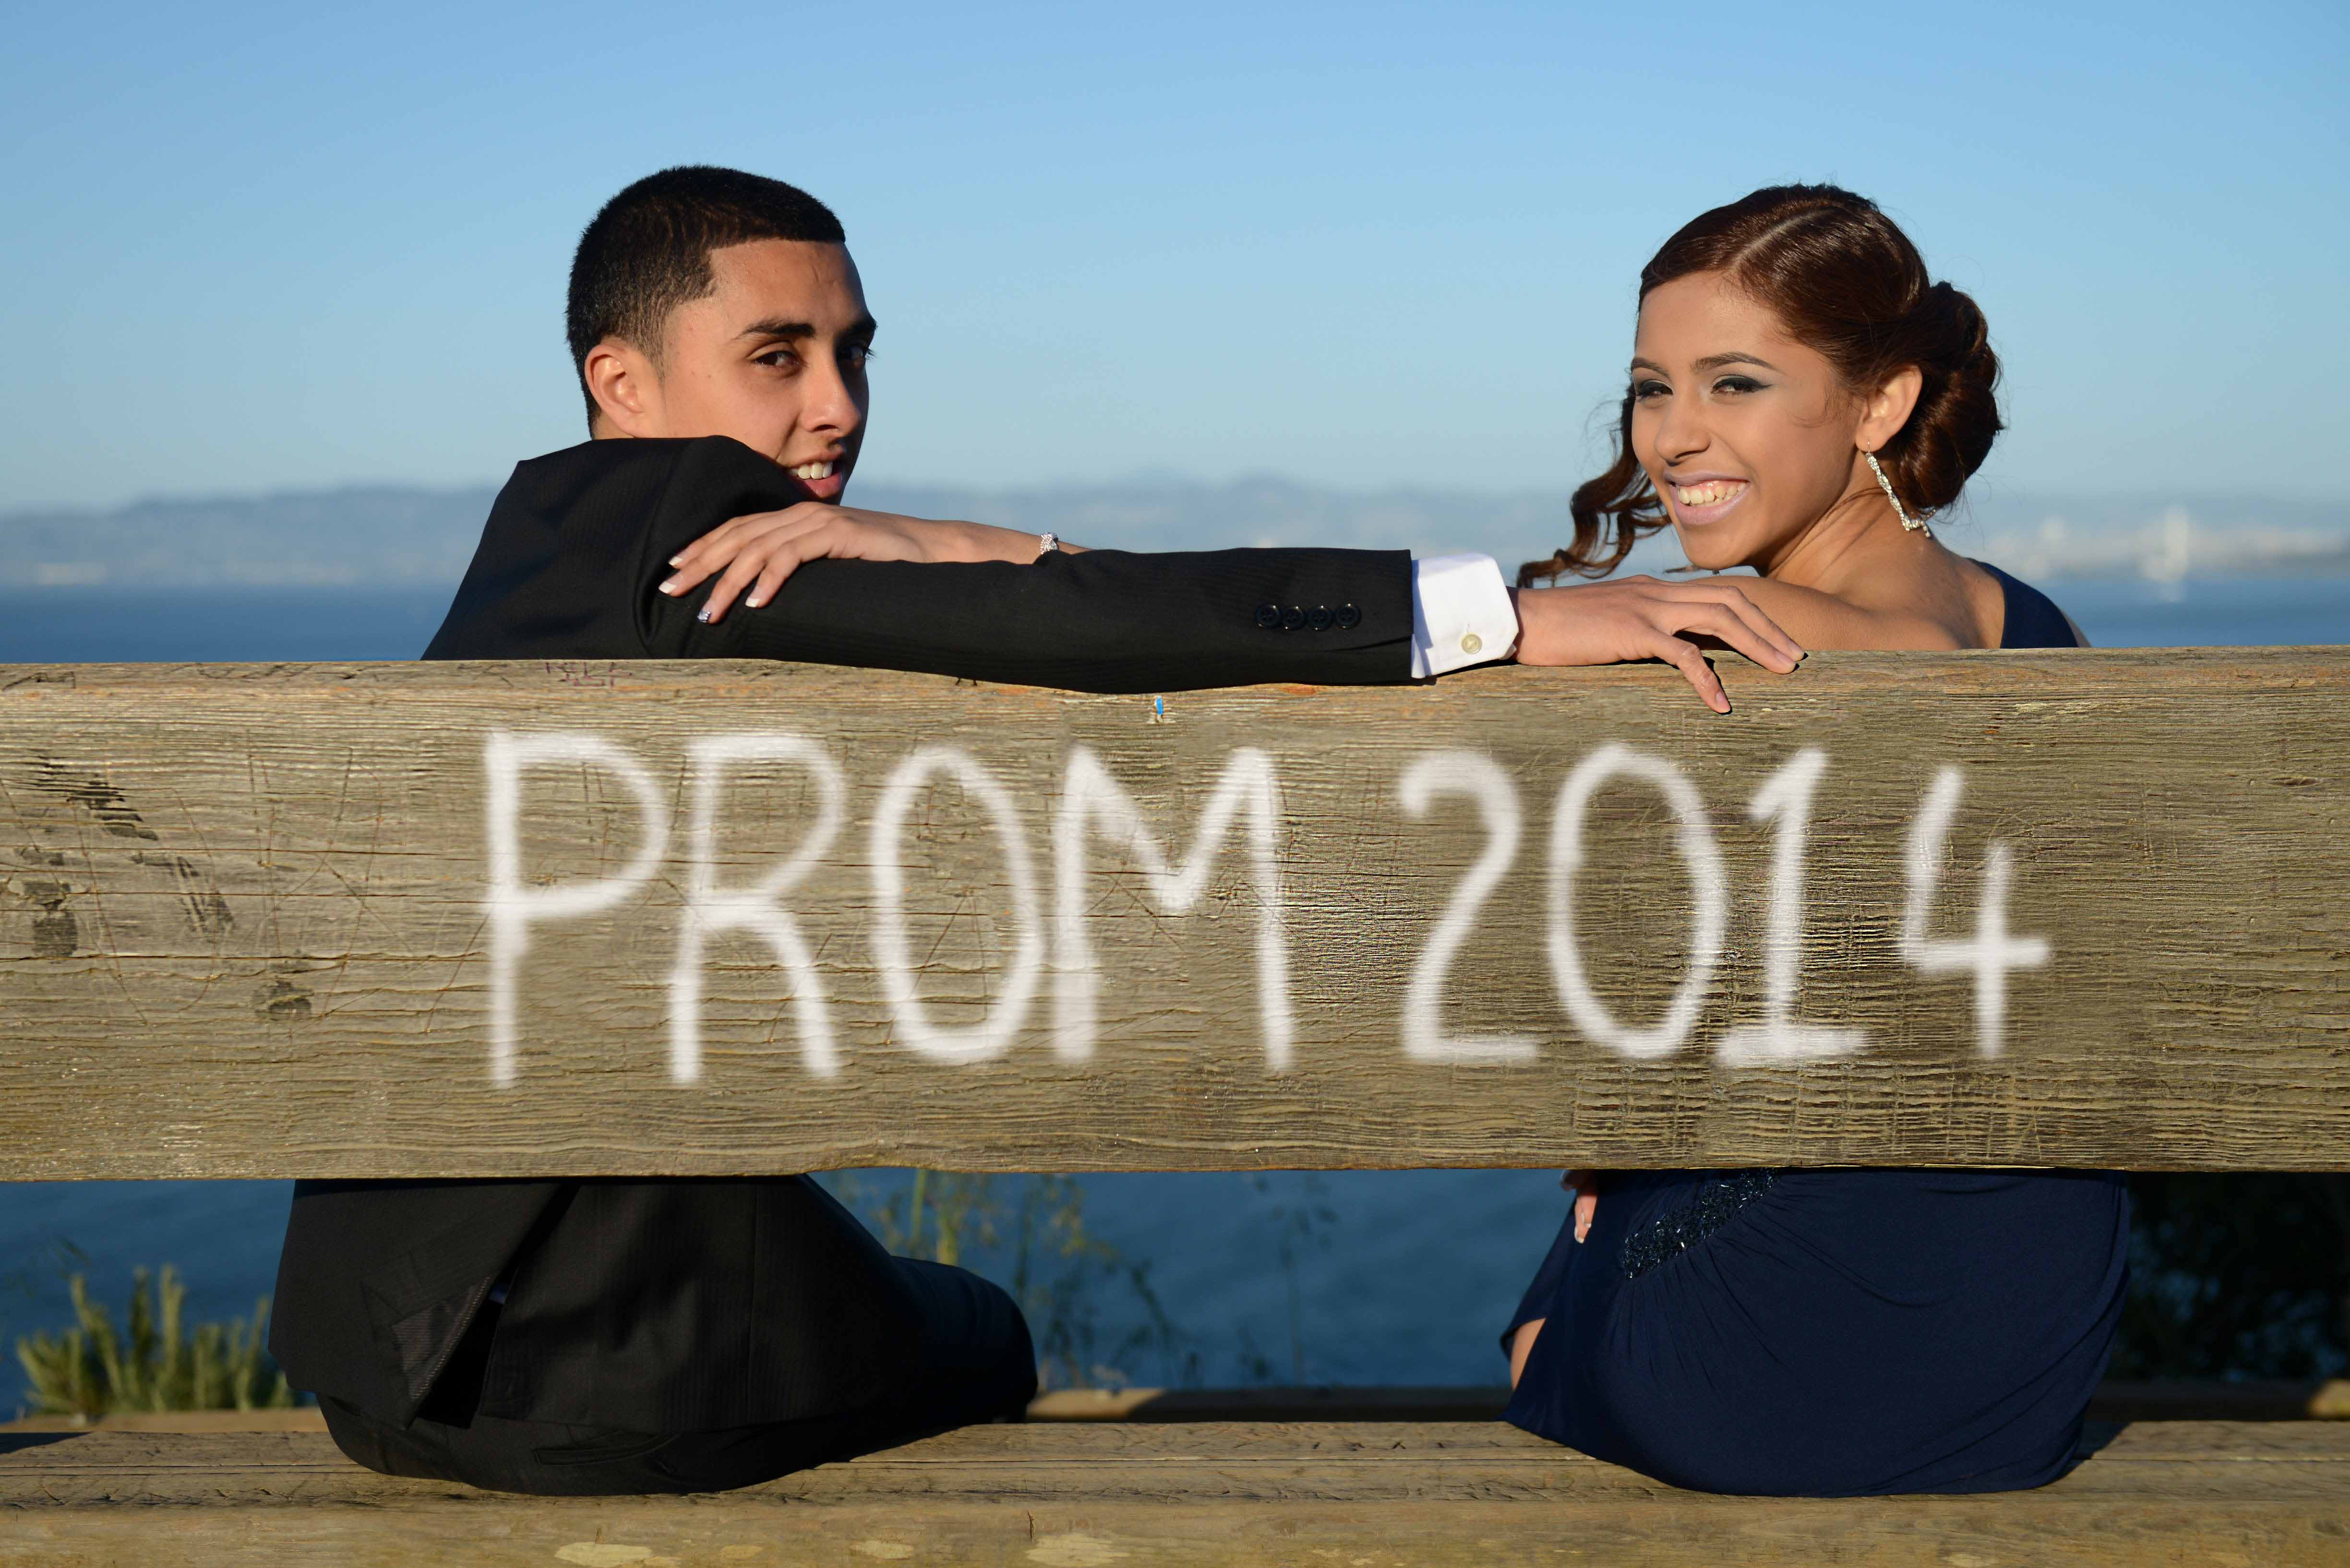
(395, 538)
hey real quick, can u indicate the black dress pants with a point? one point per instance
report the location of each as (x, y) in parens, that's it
(976, 1364)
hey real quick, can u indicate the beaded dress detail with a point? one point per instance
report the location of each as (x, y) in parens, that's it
(1719, 1199)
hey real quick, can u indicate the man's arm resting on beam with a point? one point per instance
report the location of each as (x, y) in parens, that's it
(1106, 621)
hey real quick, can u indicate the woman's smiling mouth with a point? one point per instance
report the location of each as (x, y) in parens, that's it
(1704, 499)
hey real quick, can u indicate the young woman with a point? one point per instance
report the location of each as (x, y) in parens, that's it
(1802, 400)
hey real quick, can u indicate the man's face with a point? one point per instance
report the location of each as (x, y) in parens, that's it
(774, 356)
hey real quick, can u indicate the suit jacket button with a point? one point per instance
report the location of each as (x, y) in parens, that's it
(1269, 616)
(1349, 617)
(1292, 619)
(1320, 617)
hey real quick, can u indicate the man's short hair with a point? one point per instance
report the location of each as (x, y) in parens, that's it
(648, 252)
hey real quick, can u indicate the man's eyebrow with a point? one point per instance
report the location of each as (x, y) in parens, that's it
(792, 331)
(776, 327)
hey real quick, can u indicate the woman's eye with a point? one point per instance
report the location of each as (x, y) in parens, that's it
(1735, 384)
(1644, 391)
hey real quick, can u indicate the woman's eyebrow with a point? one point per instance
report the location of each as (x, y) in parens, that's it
(1710, 362)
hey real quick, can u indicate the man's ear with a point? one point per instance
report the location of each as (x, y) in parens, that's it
(626, 390)
(1888, 409)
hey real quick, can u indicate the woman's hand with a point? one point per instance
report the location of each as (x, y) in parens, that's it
(760, 551)
(1642, 618)
(1585, 1185)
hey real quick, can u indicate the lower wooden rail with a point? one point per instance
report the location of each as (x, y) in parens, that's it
(2117, 1402)
(1078, 1495)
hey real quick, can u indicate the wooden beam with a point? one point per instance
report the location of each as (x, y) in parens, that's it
(2078, 909)
(1263, 1495)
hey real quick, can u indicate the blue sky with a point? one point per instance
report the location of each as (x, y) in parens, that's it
(266, 247)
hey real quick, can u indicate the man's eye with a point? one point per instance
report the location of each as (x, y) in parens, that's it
(856, 356)
(777, 359)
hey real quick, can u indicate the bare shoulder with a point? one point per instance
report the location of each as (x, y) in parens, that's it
(1824, 620)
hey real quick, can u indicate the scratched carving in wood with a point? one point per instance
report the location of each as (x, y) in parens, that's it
(2063, 908)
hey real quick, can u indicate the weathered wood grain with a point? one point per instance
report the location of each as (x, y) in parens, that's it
(1076, 1497)
(242, 929)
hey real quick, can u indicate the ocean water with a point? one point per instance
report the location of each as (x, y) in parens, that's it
(2218, 612)
(98, 625)
(1289, 1277)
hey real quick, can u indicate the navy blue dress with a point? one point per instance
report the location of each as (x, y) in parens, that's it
(1834, 1333)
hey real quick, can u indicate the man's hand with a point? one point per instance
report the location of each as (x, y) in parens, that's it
(760, 551)
(1643, 617)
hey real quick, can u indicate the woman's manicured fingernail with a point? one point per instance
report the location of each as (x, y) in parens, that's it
(754, 602)
(703, 614)
(678, 559)
(670, 587)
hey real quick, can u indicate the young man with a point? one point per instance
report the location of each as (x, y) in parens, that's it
(626, 1337)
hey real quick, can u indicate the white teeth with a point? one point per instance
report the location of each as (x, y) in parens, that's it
(813, 470)
(1708, 493)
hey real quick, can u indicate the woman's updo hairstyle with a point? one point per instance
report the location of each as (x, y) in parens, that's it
(1848, 283)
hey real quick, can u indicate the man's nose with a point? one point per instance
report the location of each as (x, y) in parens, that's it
(834, 406)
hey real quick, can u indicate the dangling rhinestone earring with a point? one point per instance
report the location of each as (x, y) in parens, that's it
(1909, 524)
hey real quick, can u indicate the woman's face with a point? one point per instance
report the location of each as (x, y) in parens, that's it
(1747, 434)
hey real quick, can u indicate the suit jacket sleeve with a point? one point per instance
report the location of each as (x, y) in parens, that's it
(1106, 621)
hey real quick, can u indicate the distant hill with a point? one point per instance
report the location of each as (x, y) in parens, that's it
(380, 535)
(401, 536)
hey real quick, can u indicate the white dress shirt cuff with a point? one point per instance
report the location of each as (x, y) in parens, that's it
(1461, 615)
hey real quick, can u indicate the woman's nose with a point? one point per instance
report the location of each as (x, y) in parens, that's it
(1681, 434)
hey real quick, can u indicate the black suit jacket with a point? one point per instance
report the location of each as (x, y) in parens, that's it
(578, 540)
(676, 1306)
